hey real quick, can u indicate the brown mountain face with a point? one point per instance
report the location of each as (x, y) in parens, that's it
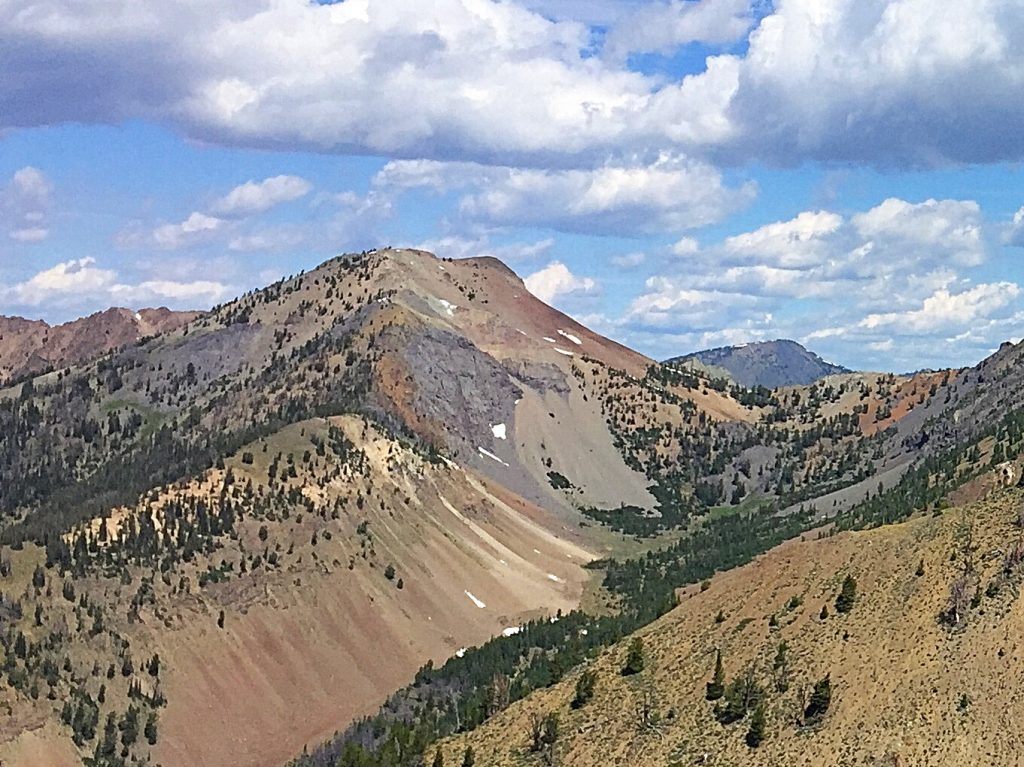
(294, 502)
(33, 346)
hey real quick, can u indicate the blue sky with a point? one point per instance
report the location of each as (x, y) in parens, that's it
(677, 174)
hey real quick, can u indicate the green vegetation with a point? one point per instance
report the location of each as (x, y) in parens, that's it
(634, 658)
(819, 701)
(559, 481)
(847, 595)
(584, 688)
(716, 687)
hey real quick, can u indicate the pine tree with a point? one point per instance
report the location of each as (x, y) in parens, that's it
(755, 735)
(634, 658)
(438, 759)
(468, 758)
(821, 699)
(150, 730)
(716, 687)
(847, 595)
(584, 688)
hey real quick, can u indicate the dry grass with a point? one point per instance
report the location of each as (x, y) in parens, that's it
(898, 674)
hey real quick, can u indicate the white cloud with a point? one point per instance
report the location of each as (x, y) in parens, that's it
(661, 27)
(669, 194)
(260, 196)
(963, 325)
(888, 287)
(24, 204)
(1013, 233)
(802, 241)
(944, 310)
(30, 234)
(952, 227)
(686, 246)
(629, 260)
(70, 278)
(197, 228)
(555, 281)
(82, 283)
(883, 82)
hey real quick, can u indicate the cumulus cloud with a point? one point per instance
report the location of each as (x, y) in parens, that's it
(260, 196)
(889, 82)
(964, 324)
(801, 241)
(943, 310)
(887, 285)
(1013, 233)
(661, 27)
(197, 228)
(952, 227)
(82, 282)
(671, 193)
(556, 281)
(24, 204)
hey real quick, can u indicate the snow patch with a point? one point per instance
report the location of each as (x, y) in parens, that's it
(511, 631)
(461, 652)
(448, 307)
(570, 336)
(536, 551)
(475, 601)
(491, 455)
(563, 351)
(521, 332)
(554, 578)
(138, 317)
(550, 339)
(498, 430)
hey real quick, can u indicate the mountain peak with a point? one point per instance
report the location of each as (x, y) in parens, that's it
(771, 364)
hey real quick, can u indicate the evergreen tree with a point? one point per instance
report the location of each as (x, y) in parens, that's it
(584, 688)
(756, 732)
(821, 699)
(847, 595)
(438, 759)
(716, 687)
(468, 758)
(150, 729)
(634, 658)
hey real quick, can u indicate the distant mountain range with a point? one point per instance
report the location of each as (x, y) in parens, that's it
(34, 346)
(766, 363)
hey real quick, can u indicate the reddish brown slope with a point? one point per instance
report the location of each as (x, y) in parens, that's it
(32, 346)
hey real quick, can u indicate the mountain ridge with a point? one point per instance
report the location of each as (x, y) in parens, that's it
(423, 446)
(29, 347)
(770, 364)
